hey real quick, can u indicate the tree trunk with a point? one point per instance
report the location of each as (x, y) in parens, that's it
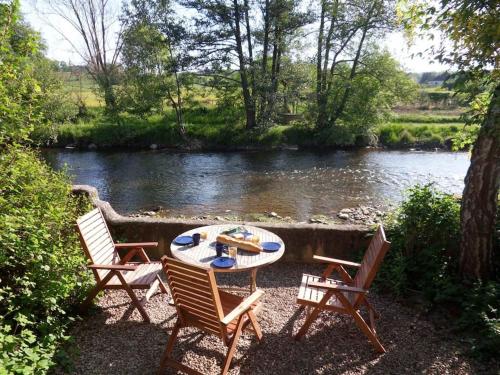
(320, 99)
(480, 199)
(247, 96)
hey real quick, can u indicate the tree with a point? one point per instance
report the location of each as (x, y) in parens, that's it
(472, 28)
(20, 92)
(154, 56)
(227, 39)
(345, 28)
(93, 20)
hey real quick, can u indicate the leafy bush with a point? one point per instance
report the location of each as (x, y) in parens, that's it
(42, 273)
(425, 233)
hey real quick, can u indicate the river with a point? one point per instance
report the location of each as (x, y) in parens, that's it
(291, 183)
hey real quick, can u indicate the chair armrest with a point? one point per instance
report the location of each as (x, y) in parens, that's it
(336, 261)
(117, 267)
(136, 244)
(242, 307)
(341, 288)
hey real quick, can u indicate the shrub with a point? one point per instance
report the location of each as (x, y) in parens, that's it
(42, 273)
(425, 233)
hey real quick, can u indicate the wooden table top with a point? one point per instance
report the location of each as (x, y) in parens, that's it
(203, 254)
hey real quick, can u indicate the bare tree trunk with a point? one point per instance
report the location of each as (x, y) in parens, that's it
(265, 51)
(247, 96)
(480, 199)
(320, 99)
(352, 74)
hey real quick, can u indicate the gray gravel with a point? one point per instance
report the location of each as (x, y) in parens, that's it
(114, 340)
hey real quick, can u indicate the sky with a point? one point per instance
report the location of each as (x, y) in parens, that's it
(58, 48)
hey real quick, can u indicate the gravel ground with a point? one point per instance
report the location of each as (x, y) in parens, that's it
(114, 340)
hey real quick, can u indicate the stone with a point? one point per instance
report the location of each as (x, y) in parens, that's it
(273, 214)
(343, 216)
(218, 218)
(92, 146)
(345, 211)
(149, 213)
(153, 146)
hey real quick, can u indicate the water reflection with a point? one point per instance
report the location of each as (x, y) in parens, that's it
(292, 183)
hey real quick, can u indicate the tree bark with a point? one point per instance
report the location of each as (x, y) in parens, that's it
(480, 199)
(320, 95)
(247, 96)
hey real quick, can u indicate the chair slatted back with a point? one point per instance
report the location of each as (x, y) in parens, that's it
(96, 240)
(195, 295)
(372, 260)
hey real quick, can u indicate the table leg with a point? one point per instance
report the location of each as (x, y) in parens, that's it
(253, 280)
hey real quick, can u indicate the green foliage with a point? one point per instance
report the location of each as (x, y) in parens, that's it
(20, 92)
(378, 85)
(152, 57)
(425, 234)
(42, 266)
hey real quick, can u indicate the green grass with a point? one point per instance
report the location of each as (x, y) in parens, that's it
(421, 134)
(425, 118)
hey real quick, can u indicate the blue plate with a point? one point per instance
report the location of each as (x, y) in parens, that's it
(223, 262)
(270, 246)
(183, 240)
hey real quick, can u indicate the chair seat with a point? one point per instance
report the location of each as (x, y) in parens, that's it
(141, 278)
(309, 295)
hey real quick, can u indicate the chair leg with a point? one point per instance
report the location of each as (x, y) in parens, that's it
(93, 293)
(255, 325)
(360, 322)
(163, 288)
(170, 346)
(232, 347)
(88, 301)
(134, 298)
(309, 320)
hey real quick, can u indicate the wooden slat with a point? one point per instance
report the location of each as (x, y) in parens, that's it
(88, 215)
(194, 296)
(96, 236)
(181, 286)
(105, 258)
(188, 276)
(209, 309)
(97, 247)
(207, 315)
(197, 302)
(204, 322)
(89, 226)
(184, 266)
(190, 281)
(188, 270)
(194, 287)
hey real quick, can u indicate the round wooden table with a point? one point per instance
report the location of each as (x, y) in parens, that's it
(203, 254)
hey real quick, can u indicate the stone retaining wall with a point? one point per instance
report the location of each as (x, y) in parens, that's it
(301, 240)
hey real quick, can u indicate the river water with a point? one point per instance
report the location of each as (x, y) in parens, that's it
(298, 184)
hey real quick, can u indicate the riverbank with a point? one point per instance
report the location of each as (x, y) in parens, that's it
(360, 215)
(213, 130)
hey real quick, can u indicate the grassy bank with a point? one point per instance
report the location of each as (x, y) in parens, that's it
(216, 128)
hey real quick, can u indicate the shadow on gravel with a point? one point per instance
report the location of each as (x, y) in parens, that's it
(114, 340)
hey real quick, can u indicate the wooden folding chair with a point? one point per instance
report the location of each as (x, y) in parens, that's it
(201, 304)
(113, 272)
(348, 295)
